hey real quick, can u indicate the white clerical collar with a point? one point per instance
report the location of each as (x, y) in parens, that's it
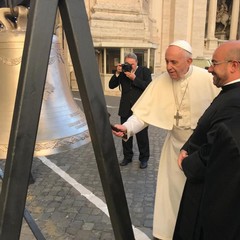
(237, 80)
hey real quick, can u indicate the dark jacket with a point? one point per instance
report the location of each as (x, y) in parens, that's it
(223, 108)
(130, 90)
(220, 210)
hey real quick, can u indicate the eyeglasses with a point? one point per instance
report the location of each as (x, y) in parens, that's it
(215, 63)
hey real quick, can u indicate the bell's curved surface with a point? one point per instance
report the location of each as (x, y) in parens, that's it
(62, 124)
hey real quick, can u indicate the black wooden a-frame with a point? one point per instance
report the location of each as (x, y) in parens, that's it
(28, 106)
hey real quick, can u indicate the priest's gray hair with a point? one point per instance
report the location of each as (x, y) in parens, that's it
(131, 55)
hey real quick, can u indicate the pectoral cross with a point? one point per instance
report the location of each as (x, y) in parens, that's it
(177, 117)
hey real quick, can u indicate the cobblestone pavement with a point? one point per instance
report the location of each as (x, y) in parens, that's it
(62, 213)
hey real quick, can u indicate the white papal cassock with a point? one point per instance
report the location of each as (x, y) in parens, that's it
(157, 106)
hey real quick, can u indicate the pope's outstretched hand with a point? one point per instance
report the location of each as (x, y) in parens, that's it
(122, 130)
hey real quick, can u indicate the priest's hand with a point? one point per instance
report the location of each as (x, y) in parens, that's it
(119, 131)
(183, 154)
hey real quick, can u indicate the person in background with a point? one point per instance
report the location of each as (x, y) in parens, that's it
(174, 102)
(196, 159)
(132, 81)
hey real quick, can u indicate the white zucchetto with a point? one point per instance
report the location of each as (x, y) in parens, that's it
(182, 44)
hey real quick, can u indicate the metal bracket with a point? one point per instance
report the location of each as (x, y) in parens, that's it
(29, 97)
(29, 220)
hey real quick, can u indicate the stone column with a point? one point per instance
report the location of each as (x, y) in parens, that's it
(157, 15)
(234, 20)
(212, 42)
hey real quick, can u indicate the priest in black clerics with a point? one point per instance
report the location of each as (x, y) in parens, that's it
(210, 159)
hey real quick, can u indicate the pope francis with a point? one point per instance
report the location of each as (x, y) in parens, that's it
(174, 102)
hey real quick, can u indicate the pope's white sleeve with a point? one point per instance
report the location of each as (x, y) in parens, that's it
(134, 125)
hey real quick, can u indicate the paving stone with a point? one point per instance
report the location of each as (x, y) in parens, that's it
(62, 213)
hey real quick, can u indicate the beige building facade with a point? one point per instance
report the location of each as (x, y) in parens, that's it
(146, 27)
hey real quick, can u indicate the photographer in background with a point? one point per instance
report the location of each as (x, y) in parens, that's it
(132, 80)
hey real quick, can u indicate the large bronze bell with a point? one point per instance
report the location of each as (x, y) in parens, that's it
(62, 124)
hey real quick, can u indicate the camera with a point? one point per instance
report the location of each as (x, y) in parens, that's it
(126, 67)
